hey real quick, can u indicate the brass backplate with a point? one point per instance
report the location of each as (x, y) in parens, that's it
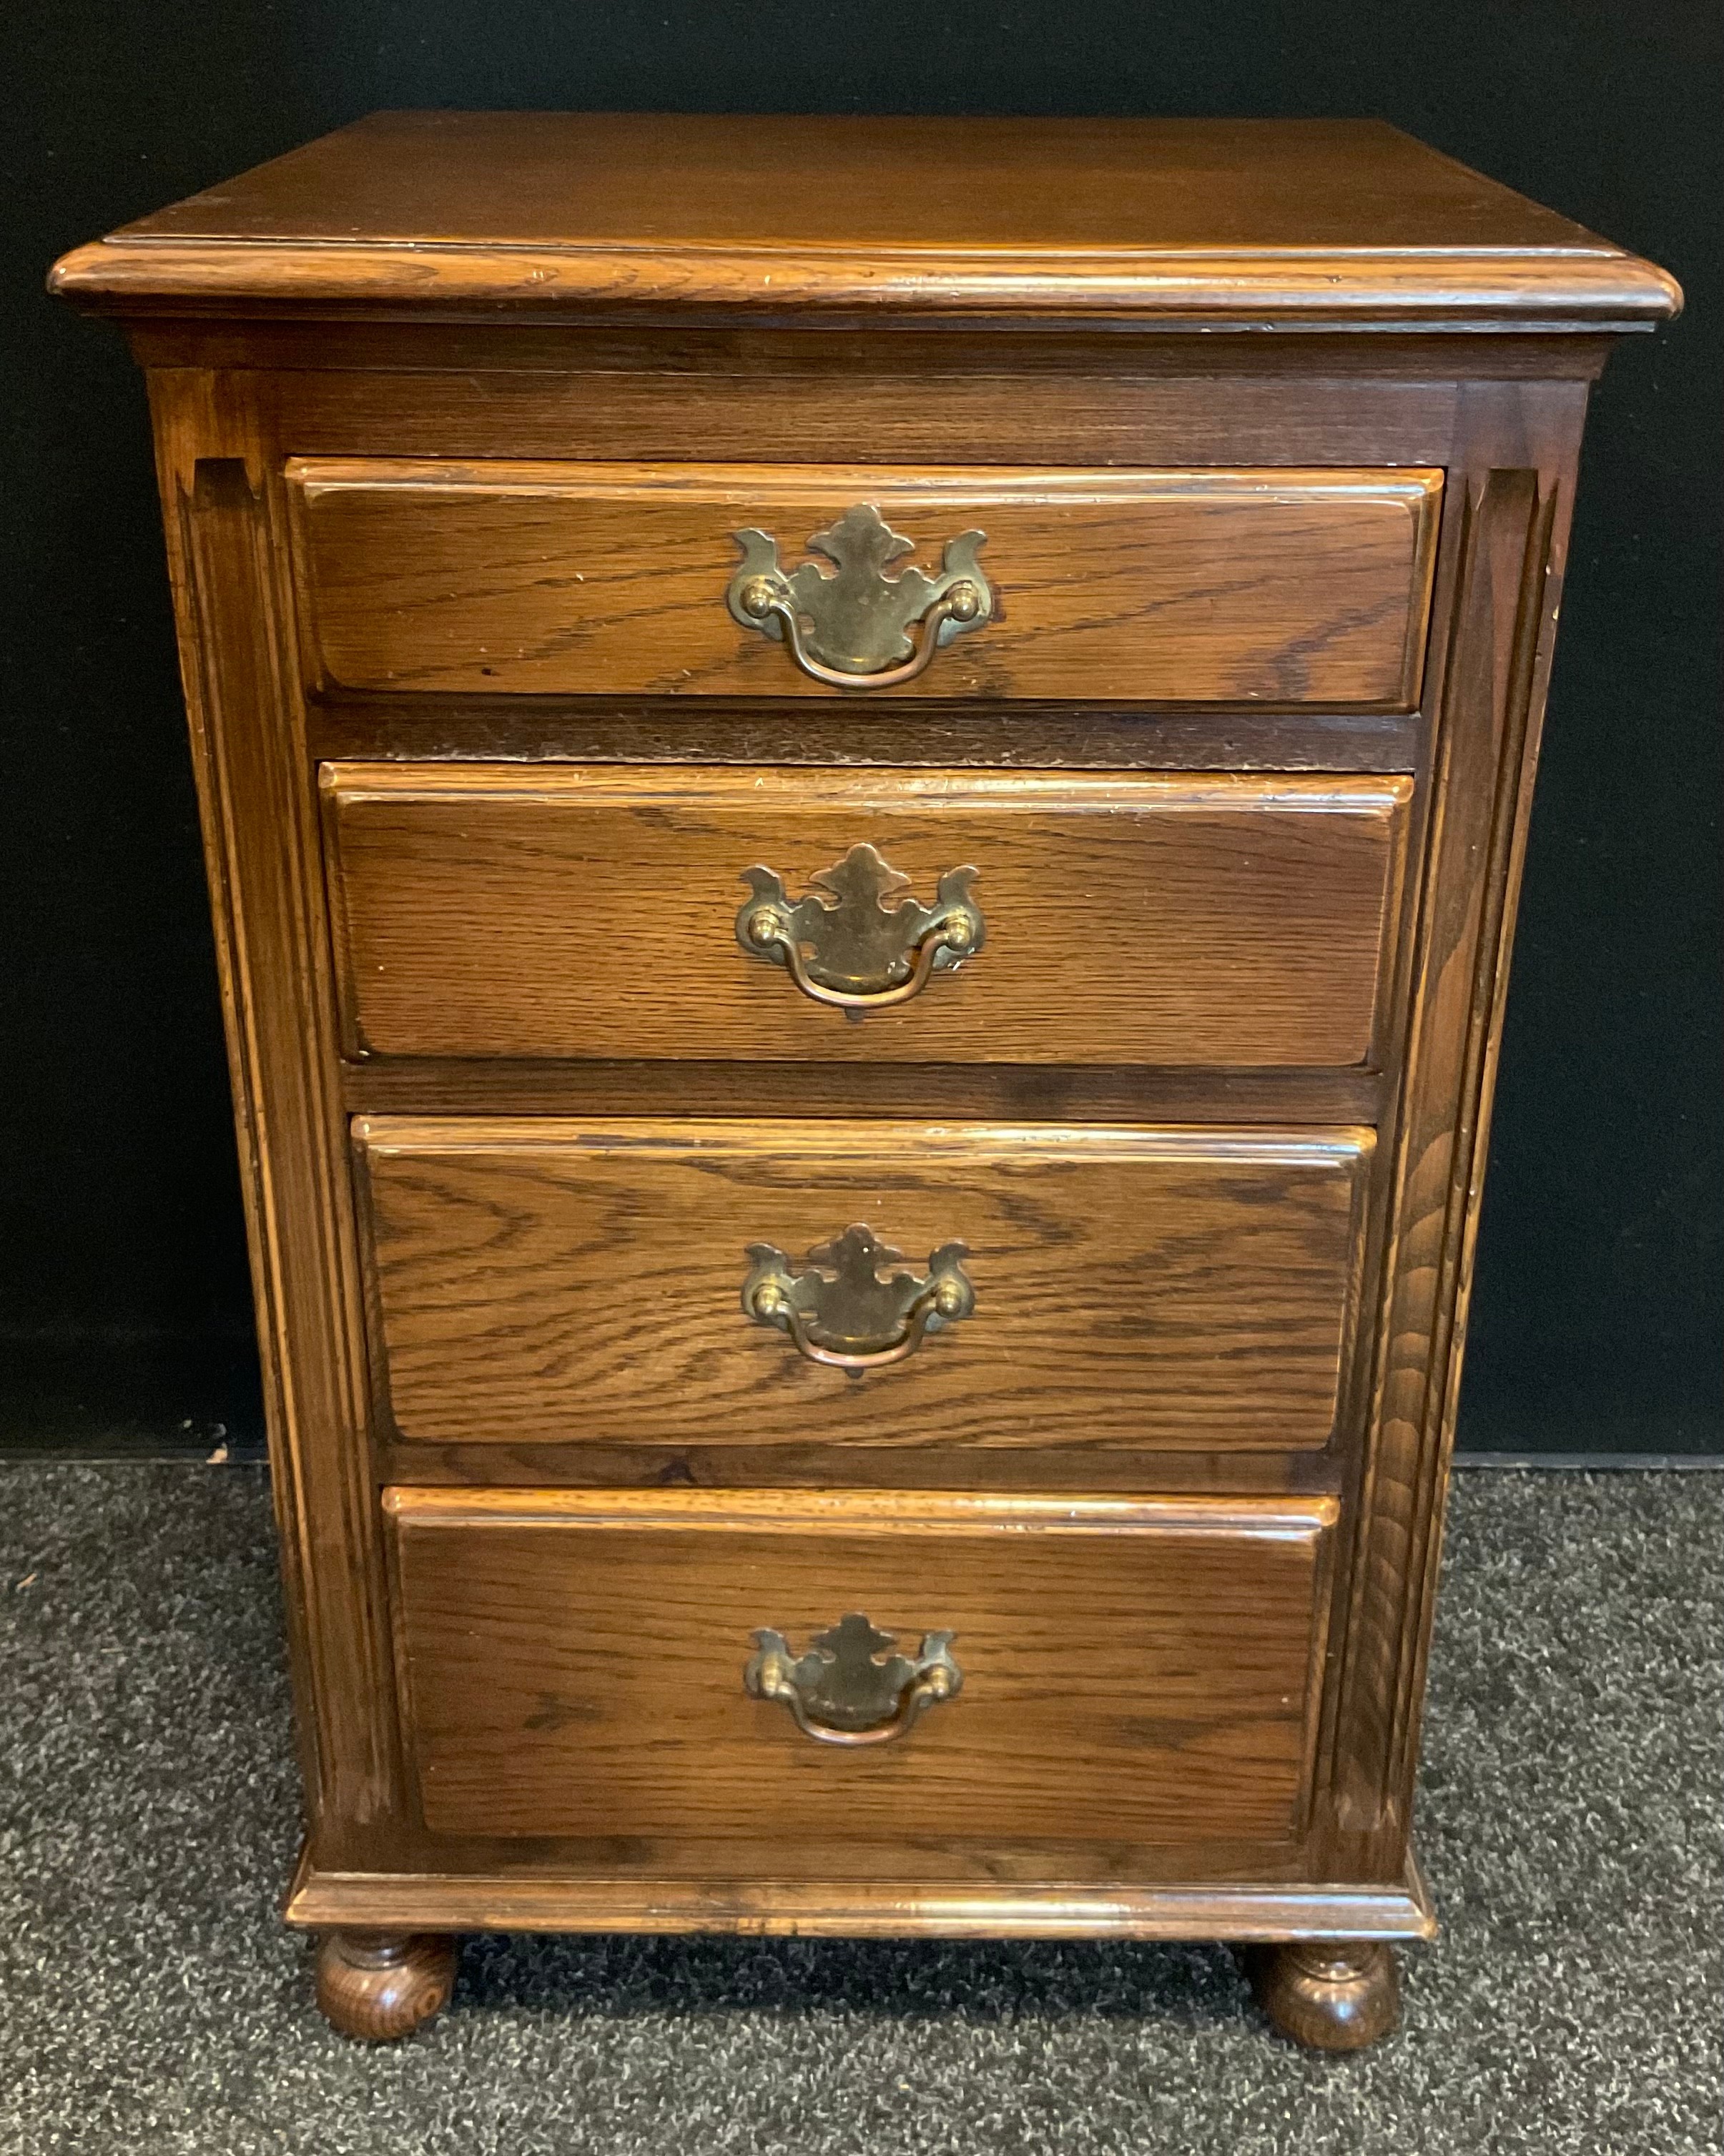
(841, 1304)
(850, 1681)
(860, 928)
(854, 617)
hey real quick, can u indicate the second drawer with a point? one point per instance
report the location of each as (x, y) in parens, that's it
(1119, 918)
(737, 1282)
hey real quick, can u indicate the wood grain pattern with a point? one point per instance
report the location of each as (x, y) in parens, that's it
(259, 836)
(1509, 589)
(366, 728)
(796, 396)
(1334, 1995)
(488, 911)
(1077, 1469)
(981, 1092)
(1260, 586)
(571, 1661)
(1182, 1214)
(545, 1281)
(1240, 222)
(1395, 371)
(520, 1897)
(376, 1986)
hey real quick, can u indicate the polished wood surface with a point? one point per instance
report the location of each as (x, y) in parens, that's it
(575, 1661)
(518, 1897)
(492, 911)
(1276, 586)
(1335, 222)
(988, 1092)
(1511, 548)
(260, 839)
(541, 1281)
(361, 726)
(1221, 1173)
(1331, 1994)
(1076, 1470)
(377, 1986)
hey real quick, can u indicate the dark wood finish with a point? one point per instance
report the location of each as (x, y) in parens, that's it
(546, 294)
(1242, 221)
(261, 843)
(996, 1092)
(1511, 544)
(573, 1662)
(1168, 401)
(1035, 736)
(509, 1895)
(1061, 374)
(537, 1281)
(1078, 1468)
(380, 1985)
(1332, 1995)
(1232, 586)
(488, 910)
(930, 1863)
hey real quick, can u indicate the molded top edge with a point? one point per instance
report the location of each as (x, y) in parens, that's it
(1342, 224)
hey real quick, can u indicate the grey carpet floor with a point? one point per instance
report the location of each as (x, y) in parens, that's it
(149, 2002)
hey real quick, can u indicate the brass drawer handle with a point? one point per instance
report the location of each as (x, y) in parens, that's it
(863, 954)
(849, 629)
(854, 1320)
(848, 1689)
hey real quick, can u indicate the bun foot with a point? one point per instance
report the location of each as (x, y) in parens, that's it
(1334, 1995)
(379, 1985)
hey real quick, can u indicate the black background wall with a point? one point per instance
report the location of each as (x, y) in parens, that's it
(1596, 1322)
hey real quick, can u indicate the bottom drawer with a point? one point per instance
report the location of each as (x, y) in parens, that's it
(1137, 1670)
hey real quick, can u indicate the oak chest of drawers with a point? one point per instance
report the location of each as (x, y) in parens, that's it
(864, 785)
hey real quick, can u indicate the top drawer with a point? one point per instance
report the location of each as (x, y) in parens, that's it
(1282, 588)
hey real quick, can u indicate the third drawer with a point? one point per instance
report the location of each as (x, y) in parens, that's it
(544, 1281)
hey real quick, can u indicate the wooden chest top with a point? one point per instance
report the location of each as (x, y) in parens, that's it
(1238, 222)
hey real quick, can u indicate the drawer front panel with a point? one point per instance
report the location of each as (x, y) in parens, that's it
(1127, 1670)
(551, 1282)
(485, 911)
(1281, 588)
